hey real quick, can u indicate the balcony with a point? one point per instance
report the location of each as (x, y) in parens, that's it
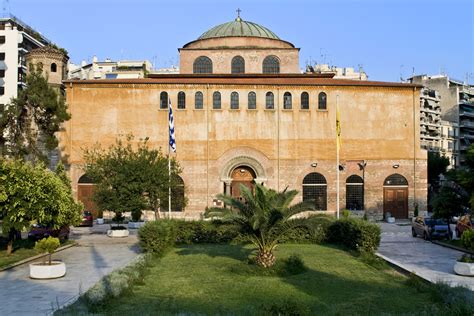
(466, 113)
(467, 124)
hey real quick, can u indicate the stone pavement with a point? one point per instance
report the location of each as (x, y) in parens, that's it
(96, 256)
(427, 260)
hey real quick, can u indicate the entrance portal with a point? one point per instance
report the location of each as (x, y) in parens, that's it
(241, 175)
(395, 196)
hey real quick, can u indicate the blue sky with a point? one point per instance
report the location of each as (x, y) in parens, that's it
(388, 38)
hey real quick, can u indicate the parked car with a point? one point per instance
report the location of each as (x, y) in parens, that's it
(38, 232)
(87, 219)
(429, 228)
(464, 223)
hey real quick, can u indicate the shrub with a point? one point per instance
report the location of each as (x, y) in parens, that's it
(315, 232)
(117, 282)
(199, 232)
(355, 234)
(286, 307)
(467, 239)
(47, 245)
(158, 236)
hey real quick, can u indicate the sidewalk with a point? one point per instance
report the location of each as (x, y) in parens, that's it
(95, 256)
(427, 260)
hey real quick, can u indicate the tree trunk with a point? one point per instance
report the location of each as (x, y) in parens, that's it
(49, 259)
(265, 259)
(10, 247)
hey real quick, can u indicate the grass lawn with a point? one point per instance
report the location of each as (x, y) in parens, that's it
(22, 249)
(216, 279)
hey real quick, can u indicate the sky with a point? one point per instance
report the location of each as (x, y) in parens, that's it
(389, 39)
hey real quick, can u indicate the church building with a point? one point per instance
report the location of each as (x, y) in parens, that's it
(244, 113)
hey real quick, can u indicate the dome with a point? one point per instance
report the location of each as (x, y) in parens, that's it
(239, 27)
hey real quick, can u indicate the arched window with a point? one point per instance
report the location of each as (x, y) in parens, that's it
(322, 99)
(177, 193)
(54, 67)
(85, 179)
(216, 100)
(234, 100)
(395, 179)
(287, 101)
(163, 100)
(202, 65)
(315, 189)
(181, 100)
(271, 65)
(252, 102)
(305, 101)
(269, 101)
(354, 193)
(198, 100)
(238, 65)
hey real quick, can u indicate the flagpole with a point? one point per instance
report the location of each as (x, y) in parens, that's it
(337, 158)
(169, 163)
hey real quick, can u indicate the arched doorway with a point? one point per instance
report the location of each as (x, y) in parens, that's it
(241, 175)
(85, 192)
(395, 196)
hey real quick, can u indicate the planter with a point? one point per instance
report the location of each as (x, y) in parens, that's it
(57, 269)
(100, 221)
(464, 268)
(390, 219)
(118, 233)
(135, 225)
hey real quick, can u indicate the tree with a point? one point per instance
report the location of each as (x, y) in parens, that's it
(437, 165)
(465, 176)
(129, 179)
(29, 123)
(447, 203)
(32, 193)
(264, 217)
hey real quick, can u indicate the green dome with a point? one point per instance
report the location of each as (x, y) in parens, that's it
(238, 27)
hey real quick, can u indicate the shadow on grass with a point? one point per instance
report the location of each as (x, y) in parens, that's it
(239, 252)
(329, 291)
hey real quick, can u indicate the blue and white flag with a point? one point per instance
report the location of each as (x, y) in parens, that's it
(171, 126)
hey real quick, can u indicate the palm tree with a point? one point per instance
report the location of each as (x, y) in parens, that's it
(264, 216)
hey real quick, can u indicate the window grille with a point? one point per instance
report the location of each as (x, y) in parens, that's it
(354, 193)
(287, 101)
(271, 65)
(234, 101)
(305, 101)
(202, 65)
(315, 189)
(252, 101)
(322, 100)
(395, 179)
(163, 100)
(216, 100)
(269, 101)
(238, 65)
(198, 100)
(181, 100)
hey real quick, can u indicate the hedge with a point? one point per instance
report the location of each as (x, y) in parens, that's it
(315, 233)
(158, 236)
(355, 234)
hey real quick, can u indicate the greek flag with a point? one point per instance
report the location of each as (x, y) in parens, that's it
(171, 125)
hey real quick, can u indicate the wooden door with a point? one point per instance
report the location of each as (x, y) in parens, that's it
(395, 201)
(84, 194)
(241, 175)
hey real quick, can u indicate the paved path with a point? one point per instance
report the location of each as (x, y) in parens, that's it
(95, 256)
(427, 260)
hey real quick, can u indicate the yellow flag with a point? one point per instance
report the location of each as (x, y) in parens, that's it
(338, 128)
